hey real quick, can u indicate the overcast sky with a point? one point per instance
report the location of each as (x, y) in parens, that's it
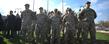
(100, 6)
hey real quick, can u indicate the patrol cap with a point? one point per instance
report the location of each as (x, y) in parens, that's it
(11, 11)
(27, 5)
(88, 2)
(41, 8)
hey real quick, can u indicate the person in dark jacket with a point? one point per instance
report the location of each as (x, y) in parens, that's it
(10, 24)
(1, 22)
(1, 28)
(18, 23)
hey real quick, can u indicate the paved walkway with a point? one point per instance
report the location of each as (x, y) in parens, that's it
(102, 31)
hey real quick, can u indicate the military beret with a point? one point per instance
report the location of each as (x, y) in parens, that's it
(11, 11)
(69, 9)
(88, 2)
(41, 8)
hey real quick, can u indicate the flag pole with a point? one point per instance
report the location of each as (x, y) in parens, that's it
(47, 6)
(33, 4)
(62, 7)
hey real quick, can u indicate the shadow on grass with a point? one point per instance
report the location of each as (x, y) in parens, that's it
(102, 42)
(77, 41)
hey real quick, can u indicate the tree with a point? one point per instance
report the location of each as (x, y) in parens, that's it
(104, 23)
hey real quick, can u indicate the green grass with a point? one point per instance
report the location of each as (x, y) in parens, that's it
(7, 41)
(102, 36)
(99, 36)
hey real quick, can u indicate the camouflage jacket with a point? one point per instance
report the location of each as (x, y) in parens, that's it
(87, 15)
(27, 17)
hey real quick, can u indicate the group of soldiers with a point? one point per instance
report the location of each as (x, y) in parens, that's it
(54, 27)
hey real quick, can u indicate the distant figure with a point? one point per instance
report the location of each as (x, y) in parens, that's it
(50, 14)
(1, 28)
(18, 23)
(1, 23)
(42, 27)
(27, 17)
(10, 25)
(87, 16)
(79, 26)
(1, 40)
(45, 12)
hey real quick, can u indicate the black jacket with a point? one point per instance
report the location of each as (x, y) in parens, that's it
(10, 22)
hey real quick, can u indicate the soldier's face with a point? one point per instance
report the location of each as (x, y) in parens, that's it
(11, 13)
(41, 10)
(87, 5)
(26, 7)
(69, 11)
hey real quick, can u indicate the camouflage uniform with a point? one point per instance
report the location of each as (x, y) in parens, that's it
(69, 22)
(42, 28)
(27, 24)
(87, 17)
(79, 27)
(55, 26)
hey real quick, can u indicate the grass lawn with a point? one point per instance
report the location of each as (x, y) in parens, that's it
(102, 36)
(99, 36)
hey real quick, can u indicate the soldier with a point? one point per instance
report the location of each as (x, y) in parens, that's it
(63, 27)
(87, 16)
(2, 25)
(69, 22)
(79, 26)
(18, 23)
(27, 17)
(55, 26)
(42, 24)
(10, 25)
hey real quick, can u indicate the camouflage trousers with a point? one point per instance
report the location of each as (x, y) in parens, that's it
(55, 36)
(88, 28)
(27, 33)
(42, 34)
(70, 35)
(79, 31)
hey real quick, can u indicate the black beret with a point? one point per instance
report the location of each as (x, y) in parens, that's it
(88, 2)
(41, 8)
(69, 9)
(11, 11)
